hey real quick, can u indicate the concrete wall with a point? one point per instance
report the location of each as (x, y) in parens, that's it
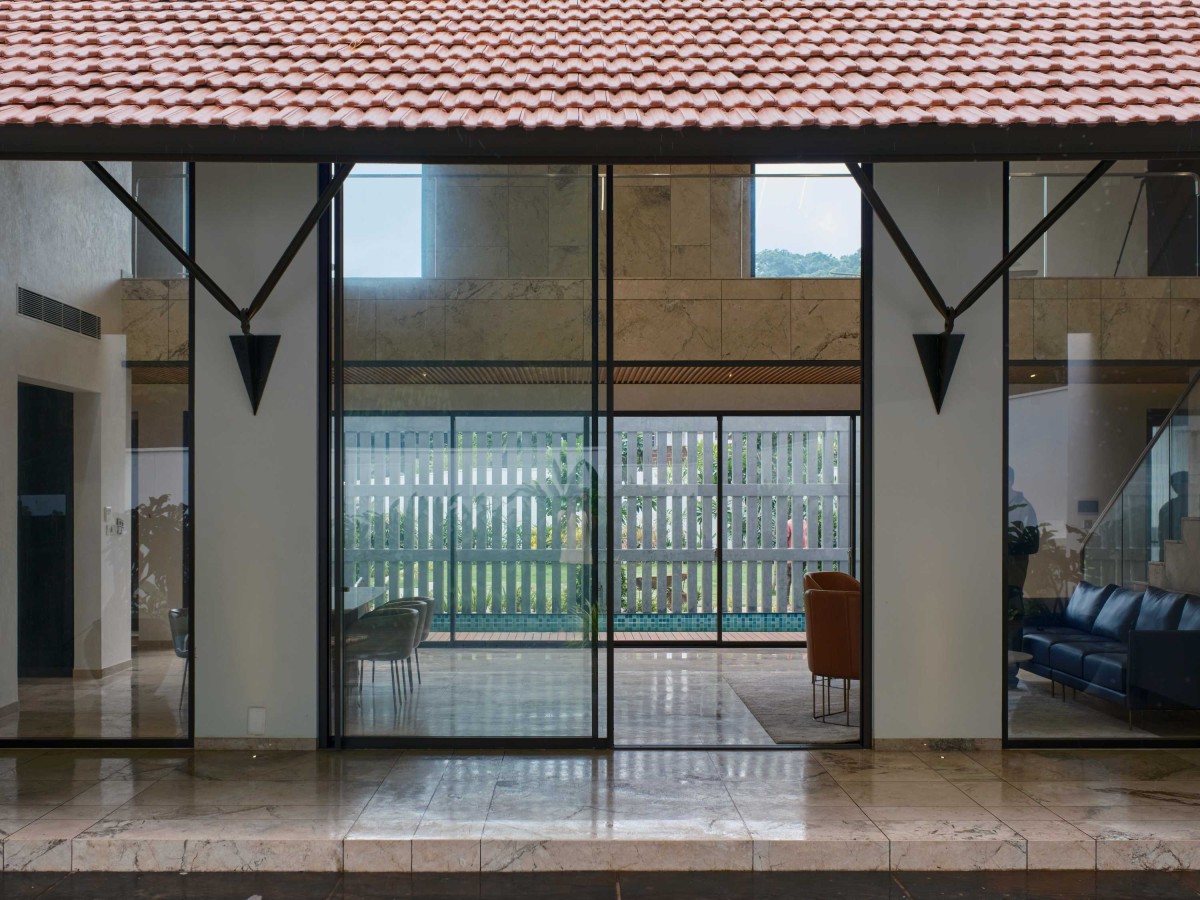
(938, 483)
(72, 241)
(256, 500)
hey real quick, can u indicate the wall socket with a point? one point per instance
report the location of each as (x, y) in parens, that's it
(256, 720)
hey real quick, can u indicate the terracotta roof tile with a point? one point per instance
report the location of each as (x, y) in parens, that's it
(598, 63)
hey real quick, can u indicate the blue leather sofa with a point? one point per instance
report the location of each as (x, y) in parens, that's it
(1138, 649)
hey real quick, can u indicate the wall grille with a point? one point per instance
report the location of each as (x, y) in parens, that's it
(44, 309)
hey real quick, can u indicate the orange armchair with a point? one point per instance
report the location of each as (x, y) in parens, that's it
(833, 622)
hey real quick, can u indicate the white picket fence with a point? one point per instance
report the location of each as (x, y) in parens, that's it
(488, 513)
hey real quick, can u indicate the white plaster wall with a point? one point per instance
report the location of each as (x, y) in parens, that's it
(256, 476)
(938, 480)
(69, 239)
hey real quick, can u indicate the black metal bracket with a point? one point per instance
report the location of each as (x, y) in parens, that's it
(939, 352)
(254, 353)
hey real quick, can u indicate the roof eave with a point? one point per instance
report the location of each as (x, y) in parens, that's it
(909, 143)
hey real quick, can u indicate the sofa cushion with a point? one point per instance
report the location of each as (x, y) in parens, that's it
(1189, 619)
(1068, 657)
(1160, 610)
(1120, 611)
(1107, 670)
(1038, 643)
(1085, 604)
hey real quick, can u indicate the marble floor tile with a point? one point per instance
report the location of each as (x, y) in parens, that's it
(43, 846)
(954, 846)
(621, 846)
(906, 793)
(1056, 845)
(994, 793)
(1112, 793)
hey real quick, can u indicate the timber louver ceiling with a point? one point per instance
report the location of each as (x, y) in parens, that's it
(597, 64)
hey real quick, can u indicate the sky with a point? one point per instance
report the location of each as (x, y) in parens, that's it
(797, 213)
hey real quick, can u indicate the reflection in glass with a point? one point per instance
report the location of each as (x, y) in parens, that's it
(1103, 597)
(470, 458)
(96, 639)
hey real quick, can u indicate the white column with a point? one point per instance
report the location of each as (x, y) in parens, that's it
(256, 490)
(938, 481)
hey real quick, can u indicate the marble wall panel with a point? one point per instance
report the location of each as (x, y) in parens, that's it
(667, 329)
(824, 328)
(690, 210)
(1049, 327)
(146, 328)
(570, 211)
(642, 237)
(520, 328)
(410, 328)
(729, 249)
(529, 228)
(1020, 327)
(1185, 329)
(177, 329)
(755, 329)
(1135, 328)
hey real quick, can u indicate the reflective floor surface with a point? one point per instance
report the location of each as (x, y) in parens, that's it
(673, 697)
(609, 886)
(628, 810)
(142, 701)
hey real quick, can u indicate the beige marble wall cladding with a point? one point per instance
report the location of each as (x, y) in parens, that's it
(467, 319)
(507, 221)
(1104, 318)
(155, 313)
(737, 319)
(681, 222)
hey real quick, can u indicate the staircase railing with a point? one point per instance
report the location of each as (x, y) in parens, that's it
(1160, 490)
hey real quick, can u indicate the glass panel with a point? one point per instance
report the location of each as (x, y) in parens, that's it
(736, 304)
(1101, 381)
(95, 640)
(470, 455)
(787, 512)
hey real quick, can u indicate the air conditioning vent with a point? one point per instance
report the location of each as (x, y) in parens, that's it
(44, 309)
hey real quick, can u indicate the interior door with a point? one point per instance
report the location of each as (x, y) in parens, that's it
(45, 532)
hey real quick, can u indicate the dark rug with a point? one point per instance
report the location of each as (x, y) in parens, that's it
(783, 706)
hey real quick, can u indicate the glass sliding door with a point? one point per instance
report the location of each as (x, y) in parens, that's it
(467, 604)
(95, 441)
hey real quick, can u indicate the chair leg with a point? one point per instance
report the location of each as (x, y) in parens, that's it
(846, 699)
(410, 674)
(417, 653)
(187, 661)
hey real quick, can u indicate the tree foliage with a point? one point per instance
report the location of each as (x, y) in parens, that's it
(786, 264)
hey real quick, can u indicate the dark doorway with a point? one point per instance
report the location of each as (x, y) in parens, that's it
(45, 532)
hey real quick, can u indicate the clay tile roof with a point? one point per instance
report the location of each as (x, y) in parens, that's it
(413, 64)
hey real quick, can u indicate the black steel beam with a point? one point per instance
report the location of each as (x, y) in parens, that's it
(326, 197)
(148, 222)
(897, 143)
(893, 229)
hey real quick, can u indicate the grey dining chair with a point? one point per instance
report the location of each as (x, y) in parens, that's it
(181, 639)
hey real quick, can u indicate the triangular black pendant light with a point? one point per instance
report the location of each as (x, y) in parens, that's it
(938, 352)
(255, 353)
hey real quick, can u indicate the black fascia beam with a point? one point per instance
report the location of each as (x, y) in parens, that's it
(341, 173)
(869, 143)
(150, 224)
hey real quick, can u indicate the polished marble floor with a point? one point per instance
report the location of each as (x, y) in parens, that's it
(663, 697)
(628, 810)
(142, 701)
(1034, 713)
(607, 886)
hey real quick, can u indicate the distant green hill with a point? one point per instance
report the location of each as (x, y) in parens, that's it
(786, 264)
